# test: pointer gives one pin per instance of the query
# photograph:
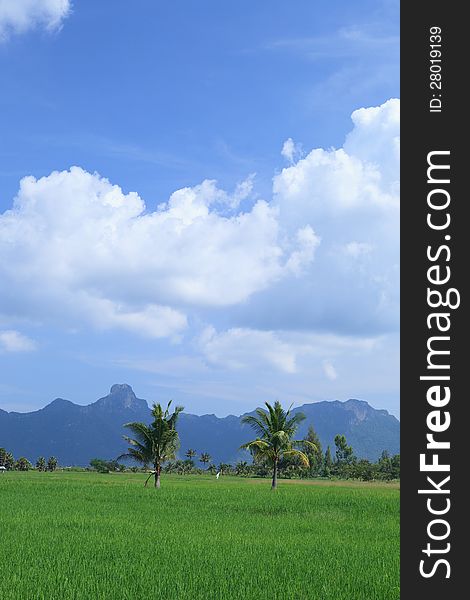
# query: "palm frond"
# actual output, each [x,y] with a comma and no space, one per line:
[256,424]
[255,445]
[140,431]
[280,438]
[305,445]
[295,421]
[298,454]
[140,457]
[135,445]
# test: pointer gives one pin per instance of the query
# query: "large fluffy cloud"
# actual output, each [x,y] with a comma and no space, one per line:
[76,249]
[19,16]
[350,196]
[74,246]
[360,179]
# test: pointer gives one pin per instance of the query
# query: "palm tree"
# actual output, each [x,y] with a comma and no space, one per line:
[9,461]
[41,464]
[224,468]
[190,453]
[155,443]
[52,463]
[205,458]
[3,456]
[241,468]
[23,464]
[275,428]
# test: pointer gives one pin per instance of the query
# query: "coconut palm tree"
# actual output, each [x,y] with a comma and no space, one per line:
[23,464]
[224,468]
[190,454]
[41,464]
[9,461]
[275,428]
[156,443]
[52,463]
[205,458]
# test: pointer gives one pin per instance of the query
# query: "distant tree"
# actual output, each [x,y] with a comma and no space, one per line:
[52,463]
[41,464]
[363,469]
[23,464]
[155,443]
[275,428]
[3,457]
[292,466]
[9,463]
[242,468]
[315,457]
[170,467]
[190,453]
[290,469]
[327,463]
[224,468]
[205,458]
[174,466]
[396,466]
[385,466]
[100,465]
[344,455]
[180,467]
[188,465]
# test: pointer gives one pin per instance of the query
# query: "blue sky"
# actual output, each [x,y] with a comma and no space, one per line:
[228,233]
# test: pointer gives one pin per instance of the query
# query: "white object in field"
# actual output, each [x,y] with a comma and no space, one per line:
[2,469]
[218,475]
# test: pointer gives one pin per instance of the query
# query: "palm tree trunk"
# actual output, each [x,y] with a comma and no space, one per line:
[157,476]
[274,483]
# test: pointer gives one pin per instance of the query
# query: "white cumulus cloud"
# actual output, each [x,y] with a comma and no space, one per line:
[76,246]
[291,151]
[350,197]
[14,341]
[361,177]
[19,16]
[321,256]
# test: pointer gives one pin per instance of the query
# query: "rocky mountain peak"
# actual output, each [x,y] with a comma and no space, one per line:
[120,396]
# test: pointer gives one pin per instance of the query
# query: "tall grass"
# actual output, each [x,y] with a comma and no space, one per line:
[89,536]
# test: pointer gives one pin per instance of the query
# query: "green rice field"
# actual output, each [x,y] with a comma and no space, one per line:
[90,536]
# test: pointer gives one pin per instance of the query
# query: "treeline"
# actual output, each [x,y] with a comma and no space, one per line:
[344,464]
[341,464]
[8,461]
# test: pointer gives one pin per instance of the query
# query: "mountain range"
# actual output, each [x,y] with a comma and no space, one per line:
[75,434]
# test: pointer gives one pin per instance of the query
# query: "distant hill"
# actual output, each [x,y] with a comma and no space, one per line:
[75,434]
